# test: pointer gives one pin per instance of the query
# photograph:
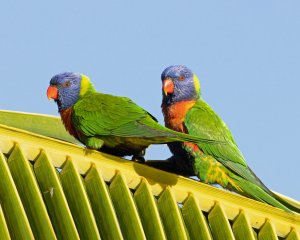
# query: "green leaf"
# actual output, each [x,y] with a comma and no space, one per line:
[102,206]
[30,195]
[171,217]
[125,208]
[4,233]
[27,196]
[219,224]
[147,207]
[242,229]
[267,232]
[54,198]
[78,202]
[292,235]
[11,205]
[195,220]
[45,125]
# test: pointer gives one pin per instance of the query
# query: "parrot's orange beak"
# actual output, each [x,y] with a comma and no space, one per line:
[52,92]
[168,86]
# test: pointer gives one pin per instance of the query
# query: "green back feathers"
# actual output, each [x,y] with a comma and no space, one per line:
[105,115]
[202,121]
[98,114]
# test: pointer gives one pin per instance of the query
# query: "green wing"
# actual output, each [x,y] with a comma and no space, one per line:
[107,115]
[202,121]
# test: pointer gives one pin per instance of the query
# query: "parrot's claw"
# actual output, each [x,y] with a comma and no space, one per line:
[138,158]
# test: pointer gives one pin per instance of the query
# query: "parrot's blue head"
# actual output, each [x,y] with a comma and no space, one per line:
[66,88]
[179,84]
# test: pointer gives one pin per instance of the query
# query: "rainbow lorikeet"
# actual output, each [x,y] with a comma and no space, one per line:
[115,124]
[185,111]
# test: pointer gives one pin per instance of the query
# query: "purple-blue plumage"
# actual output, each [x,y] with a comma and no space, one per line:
[183,90]
[68,84]
[175,71]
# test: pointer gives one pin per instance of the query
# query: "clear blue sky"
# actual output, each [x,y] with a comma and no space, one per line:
[245,53]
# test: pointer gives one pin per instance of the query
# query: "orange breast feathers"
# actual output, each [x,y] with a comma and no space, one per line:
[175,114]
[66,119]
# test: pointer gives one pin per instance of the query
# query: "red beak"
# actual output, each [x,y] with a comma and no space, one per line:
[168,86]
[52,92]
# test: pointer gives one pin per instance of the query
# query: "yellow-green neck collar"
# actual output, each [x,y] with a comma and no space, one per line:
[196,84]
[85,86]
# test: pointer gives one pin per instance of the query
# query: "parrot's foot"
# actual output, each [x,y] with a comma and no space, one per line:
[139,157]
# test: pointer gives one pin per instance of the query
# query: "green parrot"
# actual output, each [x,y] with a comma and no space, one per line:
[224,164]
[115,124]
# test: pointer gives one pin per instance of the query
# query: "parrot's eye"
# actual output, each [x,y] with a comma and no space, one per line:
[67,84]
[181,77]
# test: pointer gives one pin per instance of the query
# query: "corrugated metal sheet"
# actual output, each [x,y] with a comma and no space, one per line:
[52,189]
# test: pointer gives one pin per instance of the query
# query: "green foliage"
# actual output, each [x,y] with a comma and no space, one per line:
[51,189]
[45,125]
